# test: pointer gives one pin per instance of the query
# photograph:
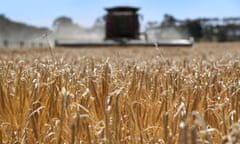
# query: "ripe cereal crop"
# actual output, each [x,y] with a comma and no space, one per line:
[121,95]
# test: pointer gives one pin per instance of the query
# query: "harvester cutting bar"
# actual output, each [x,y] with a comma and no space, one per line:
[109,43]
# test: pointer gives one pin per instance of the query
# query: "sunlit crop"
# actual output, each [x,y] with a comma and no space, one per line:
[121,95]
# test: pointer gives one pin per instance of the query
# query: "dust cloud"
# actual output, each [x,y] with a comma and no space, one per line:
[166,33]
[15,34]
[97,34]
[79,33]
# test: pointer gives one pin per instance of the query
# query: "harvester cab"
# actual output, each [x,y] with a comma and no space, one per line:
[122,23]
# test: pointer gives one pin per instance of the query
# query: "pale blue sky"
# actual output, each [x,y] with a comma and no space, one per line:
[84,12]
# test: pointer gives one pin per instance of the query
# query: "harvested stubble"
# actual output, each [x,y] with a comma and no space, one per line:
[121,95]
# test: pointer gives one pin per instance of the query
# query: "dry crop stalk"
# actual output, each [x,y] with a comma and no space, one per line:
[146,109]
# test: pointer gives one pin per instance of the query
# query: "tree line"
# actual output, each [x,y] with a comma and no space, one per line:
[204,29]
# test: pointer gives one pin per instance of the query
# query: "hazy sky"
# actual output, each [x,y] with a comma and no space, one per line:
[84,12]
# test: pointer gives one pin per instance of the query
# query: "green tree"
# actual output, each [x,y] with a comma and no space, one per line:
[168,21]
[194,28]
[62,21]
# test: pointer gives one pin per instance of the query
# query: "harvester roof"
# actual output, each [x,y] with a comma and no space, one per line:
[122,8]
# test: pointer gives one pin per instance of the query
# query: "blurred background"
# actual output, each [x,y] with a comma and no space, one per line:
[28,23]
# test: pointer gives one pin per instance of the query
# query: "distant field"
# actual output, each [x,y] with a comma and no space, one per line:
[121,95]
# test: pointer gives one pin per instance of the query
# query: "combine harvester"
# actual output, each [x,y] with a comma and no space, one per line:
[122,28]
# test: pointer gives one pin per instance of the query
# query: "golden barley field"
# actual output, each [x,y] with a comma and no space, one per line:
[151,95]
